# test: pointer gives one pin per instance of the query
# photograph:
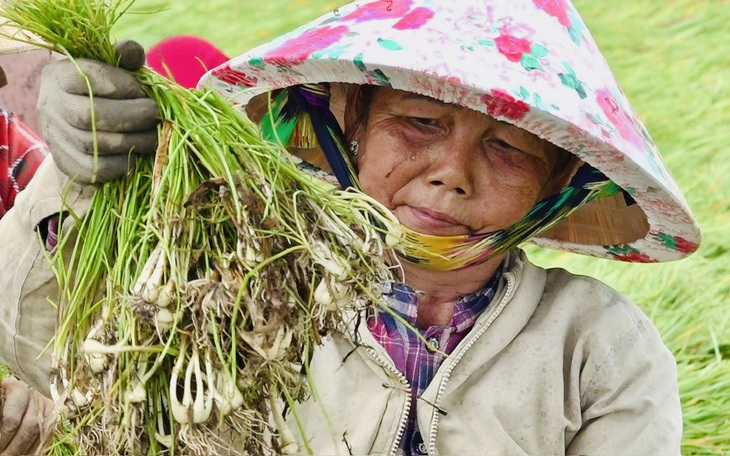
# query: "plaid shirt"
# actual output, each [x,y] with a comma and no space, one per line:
[414,358]
[21,152]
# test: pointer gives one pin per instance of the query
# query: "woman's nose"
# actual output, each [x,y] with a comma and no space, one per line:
[452,167]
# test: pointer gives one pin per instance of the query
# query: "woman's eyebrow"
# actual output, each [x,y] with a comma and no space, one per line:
[419,97]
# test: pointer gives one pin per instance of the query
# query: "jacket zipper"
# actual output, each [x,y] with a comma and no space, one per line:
[407,409]
[442,386]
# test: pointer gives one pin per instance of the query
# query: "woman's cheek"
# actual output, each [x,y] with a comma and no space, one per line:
[519,172]
[504,209]
[385,163]
[513,192]
[373,180]
[508,162]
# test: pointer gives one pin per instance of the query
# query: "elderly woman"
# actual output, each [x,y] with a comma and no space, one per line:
[480,124]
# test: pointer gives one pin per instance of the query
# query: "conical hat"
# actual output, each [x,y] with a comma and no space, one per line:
[532,63]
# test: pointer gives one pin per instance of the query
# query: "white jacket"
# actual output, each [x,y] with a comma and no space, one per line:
[558,364]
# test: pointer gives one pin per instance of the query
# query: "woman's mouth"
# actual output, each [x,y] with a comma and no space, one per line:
[429,221]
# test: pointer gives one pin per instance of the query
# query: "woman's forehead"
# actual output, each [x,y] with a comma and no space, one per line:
[402,95]
[387,101]
[398,96]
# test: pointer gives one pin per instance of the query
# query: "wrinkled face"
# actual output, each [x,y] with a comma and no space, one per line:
[448,170]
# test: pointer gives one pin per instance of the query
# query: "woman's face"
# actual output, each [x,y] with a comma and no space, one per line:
[448,170]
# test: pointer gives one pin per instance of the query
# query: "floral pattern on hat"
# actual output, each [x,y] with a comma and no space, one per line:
[500,104]
[529,62]
[562,11]
[295,51]
[520,50]
[233,77]
[414,19]
[619,118]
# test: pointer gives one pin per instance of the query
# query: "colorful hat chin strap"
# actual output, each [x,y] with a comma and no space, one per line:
[450,253]
[301,114]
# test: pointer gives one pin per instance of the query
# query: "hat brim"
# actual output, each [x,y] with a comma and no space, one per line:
[658,227]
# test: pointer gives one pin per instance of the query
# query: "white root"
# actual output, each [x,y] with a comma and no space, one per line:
[187,399]
[372,245]
[288,443]
[331,261]
[147,270]
[80,399]
[344,235]
[291,300]
[164,297]
[281,343]
[203,403]
[97,362]
[164,440]
[253,256]
[394,235]
[322,295]
[269,348]
[239,248]
[151,290]
[254,341]
[330,295]
[137,393]
[228,397]
[98,325]
[94,347]
[96,353]
[179,410]
[164,319]
[55,395]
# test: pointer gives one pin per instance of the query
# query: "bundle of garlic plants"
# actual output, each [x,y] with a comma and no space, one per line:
[194,291]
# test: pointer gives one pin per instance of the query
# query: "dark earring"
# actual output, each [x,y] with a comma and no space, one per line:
[354,147]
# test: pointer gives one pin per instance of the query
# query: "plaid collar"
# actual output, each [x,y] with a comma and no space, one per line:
[403,300]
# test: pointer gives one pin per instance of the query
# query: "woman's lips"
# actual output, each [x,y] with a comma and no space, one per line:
[433,220]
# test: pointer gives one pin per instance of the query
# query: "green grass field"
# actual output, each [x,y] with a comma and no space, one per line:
[671,60]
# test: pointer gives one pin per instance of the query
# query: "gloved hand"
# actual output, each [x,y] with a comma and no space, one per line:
[23,413]
[126,118]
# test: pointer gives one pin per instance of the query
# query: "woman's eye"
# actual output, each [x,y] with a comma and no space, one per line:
[506,150]
[424,121]
[502,145]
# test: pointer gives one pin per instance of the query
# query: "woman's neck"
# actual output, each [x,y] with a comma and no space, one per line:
[438,291]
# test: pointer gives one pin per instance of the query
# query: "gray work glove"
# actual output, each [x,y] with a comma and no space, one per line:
[126,119]
[24,417]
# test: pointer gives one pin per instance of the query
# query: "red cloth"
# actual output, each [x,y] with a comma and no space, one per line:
[184,58]
[21,152]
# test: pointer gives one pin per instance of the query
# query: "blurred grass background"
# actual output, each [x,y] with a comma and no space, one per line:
[672,62]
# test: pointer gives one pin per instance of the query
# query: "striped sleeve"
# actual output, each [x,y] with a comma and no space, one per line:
[21,152]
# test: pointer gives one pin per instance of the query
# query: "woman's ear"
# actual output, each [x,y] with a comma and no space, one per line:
[351,113]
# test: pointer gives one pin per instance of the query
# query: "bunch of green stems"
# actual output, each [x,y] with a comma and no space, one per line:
[194,291]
